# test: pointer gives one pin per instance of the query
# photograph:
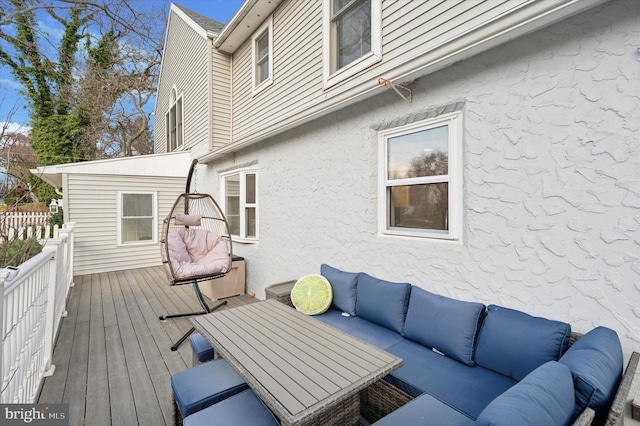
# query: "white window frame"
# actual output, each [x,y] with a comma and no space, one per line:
[267,27]
[154,239]
[454,178]
[175,102]
[242,173]
[332,75]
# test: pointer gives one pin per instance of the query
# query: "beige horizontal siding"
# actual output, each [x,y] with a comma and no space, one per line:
[221,97]
[410,29]
[297,68]
[185,65]
[92,205]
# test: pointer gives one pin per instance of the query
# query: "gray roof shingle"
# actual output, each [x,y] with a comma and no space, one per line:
[207,23]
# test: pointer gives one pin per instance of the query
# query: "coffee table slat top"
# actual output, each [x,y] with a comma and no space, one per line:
[296,363]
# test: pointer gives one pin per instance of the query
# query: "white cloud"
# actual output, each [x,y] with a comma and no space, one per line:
[14,127]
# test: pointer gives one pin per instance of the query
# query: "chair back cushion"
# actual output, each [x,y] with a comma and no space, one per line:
[514,343]
[382,302]
[447,325]
[344,286]
[544,397]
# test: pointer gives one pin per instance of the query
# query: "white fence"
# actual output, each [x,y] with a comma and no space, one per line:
[33,304]
[23,225]
[18,219]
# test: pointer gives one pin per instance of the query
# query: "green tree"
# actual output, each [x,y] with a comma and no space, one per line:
[77,85]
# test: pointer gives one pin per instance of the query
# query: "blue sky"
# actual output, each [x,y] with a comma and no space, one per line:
[220,10]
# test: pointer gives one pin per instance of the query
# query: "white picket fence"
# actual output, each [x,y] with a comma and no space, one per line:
[18,219]
[32,306]
[23,225]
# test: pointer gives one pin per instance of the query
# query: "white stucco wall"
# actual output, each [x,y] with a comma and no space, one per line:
[551,181]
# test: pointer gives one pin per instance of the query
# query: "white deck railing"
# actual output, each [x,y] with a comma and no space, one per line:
[33,304]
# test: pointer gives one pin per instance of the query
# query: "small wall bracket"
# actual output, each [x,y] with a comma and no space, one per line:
[397,87]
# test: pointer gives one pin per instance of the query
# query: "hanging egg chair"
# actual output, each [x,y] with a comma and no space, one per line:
[195,246]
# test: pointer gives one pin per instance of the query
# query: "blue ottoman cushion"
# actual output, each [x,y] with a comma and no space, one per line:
[242,409]
[382,302]
[343,285]
[201,348]
[596,363]
[514,343]
[447,325]
[544,397]
[199,387]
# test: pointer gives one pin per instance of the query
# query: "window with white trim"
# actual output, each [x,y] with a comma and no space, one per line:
[137,217]
[421,179]
[173,119]
[263,56]
[352,37]
[240,203]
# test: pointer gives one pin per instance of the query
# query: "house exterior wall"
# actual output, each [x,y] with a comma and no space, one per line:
[414,35]
[221,98]
[551,171]
[92,202]
[184,45]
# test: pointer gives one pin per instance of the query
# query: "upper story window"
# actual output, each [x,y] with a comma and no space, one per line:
[173,119]
[137,217]
[421,179]
[352,37]
[240,203]
[263,56]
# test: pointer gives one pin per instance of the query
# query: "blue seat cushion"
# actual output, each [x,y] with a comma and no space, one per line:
[514,343]
[423,410]
[382,302]
[469,389]
[447,325]
[204,385]
[544,397]
[344,286]
[242,409]
[361,328]
[596,363]
[200,347]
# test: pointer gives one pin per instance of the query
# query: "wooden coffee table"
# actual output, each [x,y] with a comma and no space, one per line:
[306,371]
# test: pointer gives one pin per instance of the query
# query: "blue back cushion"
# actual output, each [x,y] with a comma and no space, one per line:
[343,285]
[382,302]
[596,363]
[544,397]
[514,343]
[447,325]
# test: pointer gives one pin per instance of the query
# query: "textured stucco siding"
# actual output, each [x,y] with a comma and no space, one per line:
[551,181]
[184,50]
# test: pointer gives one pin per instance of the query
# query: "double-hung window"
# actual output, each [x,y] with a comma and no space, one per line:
[263,56]
[240,201]
[421,179]
[137,217]
[352,37]
[173,119]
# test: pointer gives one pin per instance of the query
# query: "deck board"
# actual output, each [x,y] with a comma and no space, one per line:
[113,358]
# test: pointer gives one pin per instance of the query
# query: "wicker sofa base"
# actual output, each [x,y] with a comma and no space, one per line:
[380,399]
[346,412]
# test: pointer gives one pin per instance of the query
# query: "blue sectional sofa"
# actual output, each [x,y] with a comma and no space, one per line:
[467,363]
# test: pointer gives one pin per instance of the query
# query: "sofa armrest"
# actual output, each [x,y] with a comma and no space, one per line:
[585,418]
[616,413]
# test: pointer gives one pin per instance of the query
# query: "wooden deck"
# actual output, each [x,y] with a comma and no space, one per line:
[113,358]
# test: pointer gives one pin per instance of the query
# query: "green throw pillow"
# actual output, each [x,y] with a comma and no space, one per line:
[312,294]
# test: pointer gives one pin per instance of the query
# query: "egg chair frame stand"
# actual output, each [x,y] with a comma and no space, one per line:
[195,280]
